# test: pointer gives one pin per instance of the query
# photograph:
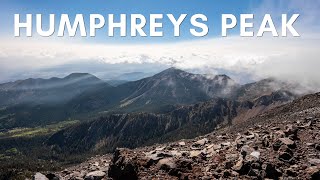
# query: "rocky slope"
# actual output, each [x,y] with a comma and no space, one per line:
[282,143]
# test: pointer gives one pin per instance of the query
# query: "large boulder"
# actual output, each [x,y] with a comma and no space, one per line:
[123,165]
[39,176]
[95,175]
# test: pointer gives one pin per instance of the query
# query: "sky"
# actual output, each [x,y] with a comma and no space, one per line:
[212,9]
[244,59]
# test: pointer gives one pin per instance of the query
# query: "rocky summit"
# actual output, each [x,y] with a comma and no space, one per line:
[283,143]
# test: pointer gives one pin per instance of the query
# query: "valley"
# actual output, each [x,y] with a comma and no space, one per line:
[36,131]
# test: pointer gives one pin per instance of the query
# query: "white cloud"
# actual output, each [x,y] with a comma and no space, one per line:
[286,58]
[220,52]
[258,56]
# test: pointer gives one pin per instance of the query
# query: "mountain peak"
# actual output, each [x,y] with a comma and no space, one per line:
[79,75]
[223,76]
[171,71]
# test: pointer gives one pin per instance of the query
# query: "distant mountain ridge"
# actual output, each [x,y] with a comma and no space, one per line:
[53,90]
[54,82]
[39,101]
[131,76]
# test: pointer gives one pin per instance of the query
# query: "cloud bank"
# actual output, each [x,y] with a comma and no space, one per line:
[286,58]
[245,59]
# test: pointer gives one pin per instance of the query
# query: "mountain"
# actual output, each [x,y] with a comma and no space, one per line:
[171,87]
[158,93]
[76,79]
[263,87]
[53,90]
[262,104]
[34,102]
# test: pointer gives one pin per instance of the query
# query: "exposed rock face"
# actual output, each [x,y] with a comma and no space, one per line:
[280,144]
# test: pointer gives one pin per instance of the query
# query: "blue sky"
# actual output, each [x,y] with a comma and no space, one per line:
[211,8]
